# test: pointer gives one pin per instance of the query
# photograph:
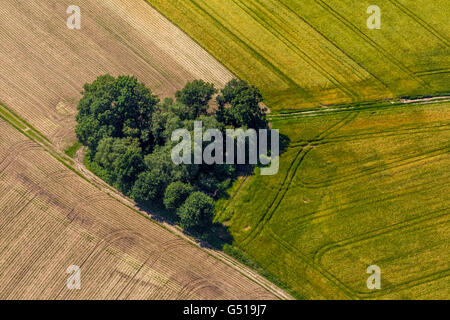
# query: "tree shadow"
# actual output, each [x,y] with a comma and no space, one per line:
[284,143]
[158,212]
[218,235]
[215,238]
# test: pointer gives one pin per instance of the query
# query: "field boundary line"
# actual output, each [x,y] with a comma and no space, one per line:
[299,52]
[432,72]
[421,22]
[371,42]
[369,105]
[245,271]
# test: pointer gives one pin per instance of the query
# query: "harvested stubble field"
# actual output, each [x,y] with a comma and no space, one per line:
[357,186]
[43,64]
[360,187]
[312,52]
[51,218]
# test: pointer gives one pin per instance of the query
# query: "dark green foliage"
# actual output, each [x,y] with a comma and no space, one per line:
[161,162]
[122,159]
[149,186]
[88,131]
[196,95]
[109,149]
[208,182]
[176,193]
[197,212]
[128,132]
[239,106]
[115,107]
[127,167]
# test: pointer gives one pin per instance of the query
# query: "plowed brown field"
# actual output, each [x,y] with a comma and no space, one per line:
[43,64]
[51,215]
[51,218]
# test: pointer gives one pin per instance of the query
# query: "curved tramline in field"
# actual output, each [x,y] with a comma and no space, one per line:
[363,113]
[51,219]
[370,187]
[43,64]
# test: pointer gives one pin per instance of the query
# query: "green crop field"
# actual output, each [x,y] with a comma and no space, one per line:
[362,184]
[360,187]
[307,53]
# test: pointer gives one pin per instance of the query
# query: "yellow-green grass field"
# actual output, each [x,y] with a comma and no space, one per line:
[356,187]
[307,53]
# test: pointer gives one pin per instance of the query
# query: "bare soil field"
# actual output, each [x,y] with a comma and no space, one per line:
[51,218]
[43,64]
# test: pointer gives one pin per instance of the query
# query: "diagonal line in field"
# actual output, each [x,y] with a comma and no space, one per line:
[284,187]
[371,42]
[421,22]
[299,52]
[333,44]
[252,51]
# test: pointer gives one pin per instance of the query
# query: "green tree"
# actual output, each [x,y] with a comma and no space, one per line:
[127,167]
[197,212]
[231,90]
[128,132]
[196,95]
[159,123]
[176,194]
[239,106]
[167,117]
[115,107]
[161,162]
[109,149]
[148,186]
[182,111]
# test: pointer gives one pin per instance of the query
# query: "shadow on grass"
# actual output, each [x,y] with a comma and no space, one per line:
[215,238]
[284,143]
[158,212]
[218,236]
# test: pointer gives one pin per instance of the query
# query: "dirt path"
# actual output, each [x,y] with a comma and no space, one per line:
[332,108]
[78,167]
[263,282]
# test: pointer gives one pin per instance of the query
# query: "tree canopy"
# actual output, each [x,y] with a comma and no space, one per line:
[176,194]
[197,211]
[115,107]
[196,95]
[239,106]
[127,130]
